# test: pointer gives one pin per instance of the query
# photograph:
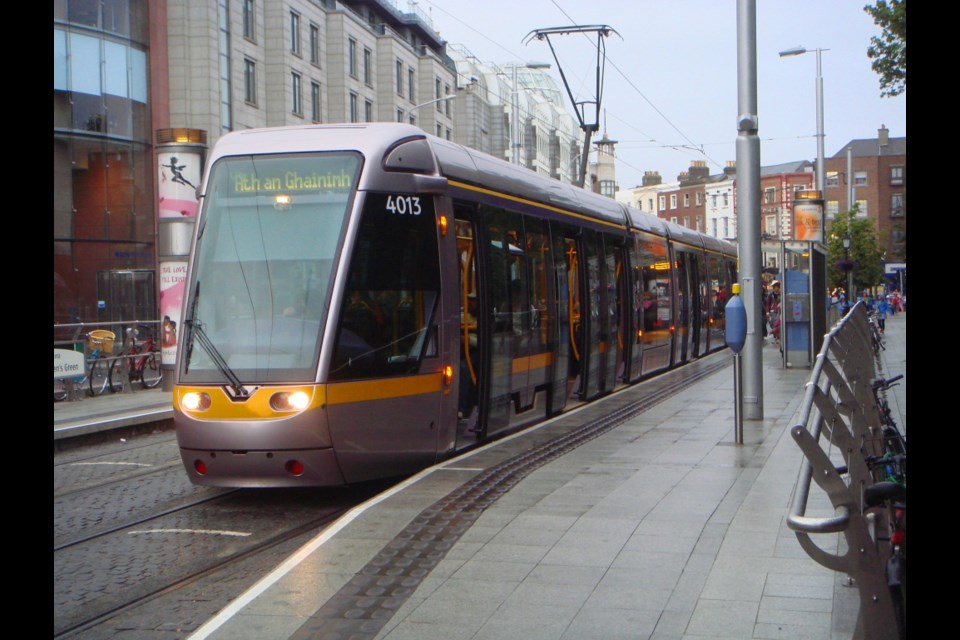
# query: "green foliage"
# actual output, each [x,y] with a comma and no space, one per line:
[865,252]
[889,50]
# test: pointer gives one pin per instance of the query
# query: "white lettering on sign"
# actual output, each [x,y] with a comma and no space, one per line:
[67,363]
[404,205]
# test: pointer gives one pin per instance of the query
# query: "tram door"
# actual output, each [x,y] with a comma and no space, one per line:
[571,351]
[508,328]
[471,360]
[686,291]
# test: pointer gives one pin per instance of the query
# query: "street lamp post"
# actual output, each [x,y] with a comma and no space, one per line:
[796,51]
[849,267]
[515,111]
[429,102]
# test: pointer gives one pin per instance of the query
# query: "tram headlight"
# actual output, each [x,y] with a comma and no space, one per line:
[196,401]
[289,401]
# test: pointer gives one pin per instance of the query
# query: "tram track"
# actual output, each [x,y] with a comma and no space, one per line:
[96,615]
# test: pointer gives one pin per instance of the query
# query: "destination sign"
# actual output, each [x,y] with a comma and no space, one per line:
[272,175]
[291,181]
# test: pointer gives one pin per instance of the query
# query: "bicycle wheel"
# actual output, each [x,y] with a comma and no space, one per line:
[117,371]
[151,372]
[59,389]
[99,377]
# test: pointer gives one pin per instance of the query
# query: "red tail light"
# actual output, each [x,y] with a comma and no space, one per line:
[294,467]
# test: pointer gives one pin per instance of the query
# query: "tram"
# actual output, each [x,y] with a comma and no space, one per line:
[365,300]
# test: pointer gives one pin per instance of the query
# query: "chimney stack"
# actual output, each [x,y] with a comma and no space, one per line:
[651,178]
[730,171]
[883,135]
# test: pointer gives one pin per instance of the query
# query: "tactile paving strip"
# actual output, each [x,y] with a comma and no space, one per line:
[364,605]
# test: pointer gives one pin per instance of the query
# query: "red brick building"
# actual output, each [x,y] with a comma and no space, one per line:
[875,171]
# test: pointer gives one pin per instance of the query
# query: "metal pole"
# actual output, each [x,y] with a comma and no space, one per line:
[515,126]
[738,398]
[820,156]
[748,204]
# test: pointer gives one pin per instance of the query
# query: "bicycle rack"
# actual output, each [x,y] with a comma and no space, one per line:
[838,408]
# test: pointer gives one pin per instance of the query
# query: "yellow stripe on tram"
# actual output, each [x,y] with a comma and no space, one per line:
[382,388]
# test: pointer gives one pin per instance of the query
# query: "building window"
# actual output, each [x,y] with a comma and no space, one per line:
[663,202]
[726,227]
[437,96]
[608,188]
[769,195]
[354,107]
[296,93]
[686,199]
[726,199]
[770,226]
[686,221]
[896,176]
[698,223]
[446,103]
[352,57]
[699,198]
[449,134]
[367,111]
[673,219]
[859,178]
[295,33]
[399,115]
[411,80]
[368,67]
[226,68]
[315,102]
[439,131]
[315,44]
[250,81]
[833,179]
[713,200]
[673,201]
[650,204]
[413,120]
[861,208]
[400,78]
[896,205]
[249,21]
[833,208]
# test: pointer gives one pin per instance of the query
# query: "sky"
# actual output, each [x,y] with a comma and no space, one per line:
[670,89]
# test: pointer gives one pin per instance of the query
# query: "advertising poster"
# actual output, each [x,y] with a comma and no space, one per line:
[173,277]
[178,180]
[808,221]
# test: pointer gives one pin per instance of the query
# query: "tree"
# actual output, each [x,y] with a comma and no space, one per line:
[889,51]
[865,259]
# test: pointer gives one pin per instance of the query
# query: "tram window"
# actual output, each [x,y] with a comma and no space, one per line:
[387,315]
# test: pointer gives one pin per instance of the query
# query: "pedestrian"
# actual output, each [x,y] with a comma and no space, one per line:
[773,310]
[883,308]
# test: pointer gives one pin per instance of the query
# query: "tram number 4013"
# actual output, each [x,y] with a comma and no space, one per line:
[404,205]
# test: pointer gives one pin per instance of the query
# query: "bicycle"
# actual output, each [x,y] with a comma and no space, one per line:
[145,366]
[98,374]
[892,495]
[876,335]
[893,440]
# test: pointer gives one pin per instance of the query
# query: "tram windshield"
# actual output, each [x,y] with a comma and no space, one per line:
[263,265]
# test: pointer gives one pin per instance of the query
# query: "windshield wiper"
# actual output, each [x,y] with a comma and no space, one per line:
[196,331]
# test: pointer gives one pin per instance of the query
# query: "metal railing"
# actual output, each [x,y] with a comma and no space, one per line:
[72,336]
[839,412]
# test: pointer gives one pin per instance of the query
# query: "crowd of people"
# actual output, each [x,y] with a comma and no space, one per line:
[882,304]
